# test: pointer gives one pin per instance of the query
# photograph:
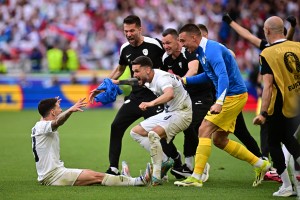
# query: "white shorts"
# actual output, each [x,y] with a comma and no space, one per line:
[173,122]
[62,177]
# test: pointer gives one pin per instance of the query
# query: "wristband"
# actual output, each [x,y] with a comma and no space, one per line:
[264,114]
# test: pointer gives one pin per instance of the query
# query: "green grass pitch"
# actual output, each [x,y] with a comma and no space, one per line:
[84,144]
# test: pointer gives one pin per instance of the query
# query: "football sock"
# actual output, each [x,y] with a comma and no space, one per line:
[156,153]
[202,153]
[111,180]
[239,151]
[287,155]
[114,169]
[286,182]
[144,142]
[177,161]
[189,162]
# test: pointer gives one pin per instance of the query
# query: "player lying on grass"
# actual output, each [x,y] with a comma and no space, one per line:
[46,150]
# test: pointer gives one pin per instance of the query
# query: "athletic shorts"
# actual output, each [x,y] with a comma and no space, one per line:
[232,106]
[62,177]
[173,122]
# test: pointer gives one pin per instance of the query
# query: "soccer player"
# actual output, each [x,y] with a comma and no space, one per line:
[175,118]
[241,131]
[178,61]
[46,150]
[231,95]
[137,45]
[280,98]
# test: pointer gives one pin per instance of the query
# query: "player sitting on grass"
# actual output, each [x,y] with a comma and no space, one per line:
[46,150]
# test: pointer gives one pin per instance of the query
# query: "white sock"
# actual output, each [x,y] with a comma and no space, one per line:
[114,169]
[156,153]
[287,155]
[259,163]
[286,182]
[111,180]
[189,161]
[143,141]
[197,176]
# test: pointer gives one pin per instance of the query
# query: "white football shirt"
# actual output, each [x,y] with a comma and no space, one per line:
[163,80]
[45,146]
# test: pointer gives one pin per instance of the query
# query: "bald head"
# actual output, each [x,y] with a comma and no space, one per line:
[275,24]
[274,29]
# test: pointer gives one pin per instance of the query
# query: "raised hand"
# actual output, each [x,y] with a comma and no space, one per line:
[226,18]
[292,20]
[78,105]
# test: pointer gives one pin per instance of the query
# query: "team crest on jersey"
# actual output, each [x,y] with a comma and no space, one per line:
[145,52]
[292,62]
[180,64]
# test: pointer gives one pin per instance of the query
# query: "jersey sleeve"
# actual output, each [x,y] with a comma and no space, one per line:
[165,82]
[197,79]
[43,128]
[263,44]
[215,58]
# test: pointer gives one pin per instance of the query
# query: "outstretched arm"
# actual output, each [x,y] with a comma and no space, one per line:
[117,72]
[63,117]
[242,31]
[291,31]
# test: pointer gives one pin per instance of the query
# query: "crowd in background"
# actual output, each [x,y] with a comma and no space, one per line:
[67,35]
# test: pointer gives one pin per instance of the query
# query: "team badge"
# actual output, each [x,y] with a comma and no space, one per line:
[145,52]
[292,62]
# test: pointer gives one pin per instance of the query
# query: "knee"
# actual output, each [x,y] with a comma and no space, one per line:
[219,142]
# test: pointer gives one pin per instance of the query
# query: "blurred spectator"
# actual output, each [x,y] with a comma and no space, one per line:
[36,60]
[73,79]
[55,59]
[3,68]
[93,34]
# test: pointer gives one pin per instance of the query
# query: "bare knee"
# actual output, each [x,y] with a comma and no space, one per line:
[220,141]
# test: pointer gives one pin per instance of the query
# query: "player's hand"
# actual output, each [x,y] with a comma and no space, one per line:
[215,109]
[78,105]
[115,81]
[93,93]
[144,105]
[259,120]
[292,20]
[226,18]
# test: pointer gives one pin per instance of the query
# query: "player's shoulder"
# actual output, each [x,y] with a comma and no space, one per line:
[153,41]
[166,58]
[124,46]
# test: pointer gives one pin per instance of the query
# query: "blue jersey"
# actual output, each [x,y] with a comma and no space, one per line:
[219,66]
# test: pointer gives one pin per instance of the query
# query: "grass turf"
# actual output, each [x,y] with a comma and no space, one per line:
[84,144]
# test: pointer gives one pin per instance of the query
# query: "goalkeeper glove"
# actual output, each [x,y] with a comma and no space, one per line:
[226,18]
[292,20]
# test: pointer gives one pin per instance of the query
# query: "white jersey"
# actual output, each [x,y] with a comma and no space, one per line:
[163,80]
[45,146]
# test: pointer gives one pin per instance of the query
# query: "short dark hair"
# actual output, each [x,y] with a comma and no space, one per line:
[170,31]
[144,61]
[46,105]
[133,19]
[202,27]
[190,28]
